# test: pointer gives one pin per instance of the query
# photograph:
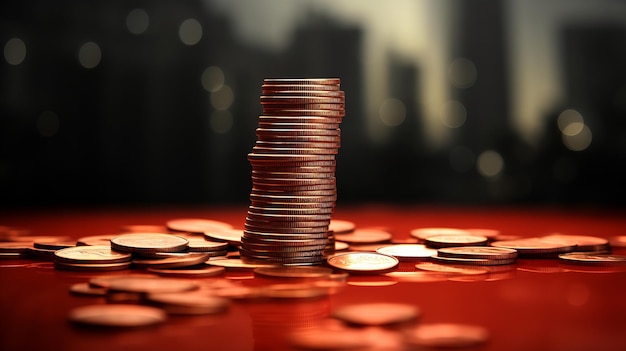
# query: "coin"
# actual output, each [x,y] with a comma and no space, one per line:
[363,262]
[407,251]
[54,245]
[91,254]
[593,258]
[139,284]
[485,252]
[236,263]
[92,267]
[117,315]
[201,244]
[189,303]
[330,339]
[14,247]
[423,233]
[377,314]
[96,240]
[536,246]
[341,226]
[583,242]
[149,242]
[182,260]
[231,236]
[189,272]
[447,335]
[294,291]
[196,225]
[87,289]
[453,269]
[302,81]
[293,272]
[439,241]
[473,261]
[364,236]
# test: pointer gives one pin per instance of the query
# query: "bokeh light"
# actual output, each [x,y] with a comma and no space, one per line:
[212,79]
[392,112]
[89,55]
[462,73]
[190,31]
[490,164]
[453,114]
[223,98]
[221,122]
[578,141]
[137,21]
[15,51]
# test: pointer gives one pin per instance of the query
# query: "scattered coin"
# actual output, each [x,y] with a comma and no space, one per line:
[96,240]
[189,303]
[473,261]
[117,315]
[341,226]
[87,289]
[439,241]
[365,236]
[200,271]
[450,269]
[297,272]
[231,235]
[593,258]
[148,242]
[185,259]
[363,262]
[484,252]
[377,314]
[94,267]
[536,246]
[584,243]
[423,233]
[196,225]
[237,263]
[407,251]
[447,335]
[146,284]
[91,254]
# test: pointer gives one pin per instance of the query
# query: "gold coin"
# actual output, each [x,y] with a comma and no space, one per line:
[149,242]
[91,254]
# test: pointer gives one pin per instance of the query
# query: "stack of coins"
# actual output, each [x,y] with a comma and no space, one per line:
[293,171]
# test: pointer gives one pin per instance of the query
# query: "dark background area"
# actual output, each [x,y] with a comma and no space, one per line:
[124,102]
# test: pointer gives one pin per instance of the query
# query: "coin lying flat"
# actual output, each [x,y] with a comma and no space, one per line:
[473,261]
[447,335]
[439,241]
[536,246]
[298,272]
[377,314]
[189,303]
[149,242]
[96,240]
[196,225]
[91,254]
[185,259]
[116,315]
[341,226]
[365,236]
[363,262]
[147,284]
[584,243]
[87,289]
[593,258]
[189,272]
[423,233]
[94,267]
[407,251]
[450,269]
[484,252]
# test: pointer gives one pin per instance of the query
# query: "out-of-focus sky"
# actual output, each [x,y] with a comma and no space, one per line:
[421,30]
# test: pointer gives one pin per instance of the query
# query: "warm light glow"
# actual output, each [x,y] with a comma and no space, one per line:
[222,99]
[190,31]
[221,122]
[137,21]
[48,124]
[15,51]
[580,141]
[490,163]
[392,112]
[453,114]
[89,55]
[461,159]
[212,79]
[462,73]
[570,122]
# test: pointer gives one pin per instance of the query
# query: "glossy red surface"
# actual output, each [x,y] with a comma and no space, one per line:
[535,305]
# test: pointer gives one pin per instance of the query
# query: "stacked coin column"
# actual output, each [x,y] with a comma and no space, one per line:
[293,171]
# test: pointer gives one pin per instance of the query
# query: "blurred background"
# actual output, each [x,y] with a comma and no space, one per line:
[476,102]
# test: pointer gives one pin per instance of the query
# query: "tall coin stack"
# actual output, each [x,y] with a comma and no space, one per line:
[293,172]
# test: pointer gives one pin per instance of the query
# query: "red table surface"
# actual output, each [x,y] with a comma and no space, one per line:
[537,305]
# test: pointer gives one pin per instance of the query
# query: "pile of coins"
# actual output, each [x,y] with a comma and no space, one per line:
[293,172]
